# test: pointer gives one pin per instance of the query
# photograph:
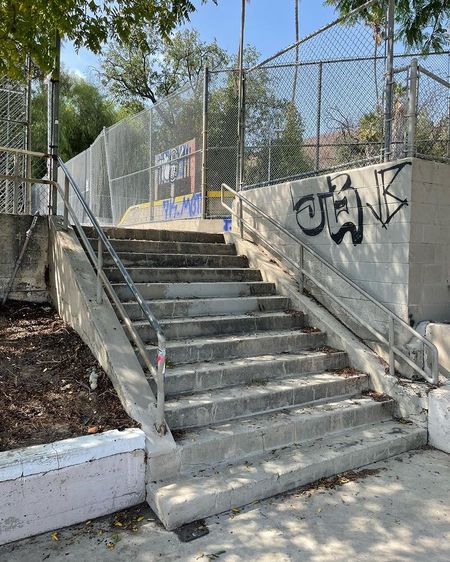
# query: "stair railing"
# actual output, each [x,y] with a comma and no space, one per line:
[430,374]
[104,244]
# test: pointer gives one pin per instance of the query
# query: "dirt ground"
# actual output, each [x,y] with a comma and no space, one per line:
[45,392]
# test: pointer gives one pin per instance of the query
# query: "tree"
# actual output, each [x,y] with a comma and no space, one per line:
[421,24]
[151,68]
[29,27]
[84,112]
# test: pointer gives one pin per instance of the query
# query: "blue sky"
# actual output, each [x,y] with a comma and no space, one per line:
[270,27]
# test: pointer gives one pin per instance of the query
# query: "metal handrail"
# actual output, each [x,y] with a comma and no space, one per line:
[102,279]
[431,375]
[104,243]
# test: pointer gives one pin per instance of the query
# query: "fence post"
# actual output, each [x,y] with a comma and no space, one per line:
[205,142]
[16,184]
[319,115]
[412,108]
[151,188]
[108,167]
[389,83]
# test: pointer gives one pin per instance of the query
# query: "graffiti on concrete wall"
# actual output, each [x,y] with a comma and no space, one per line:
[341,209]
[184,207]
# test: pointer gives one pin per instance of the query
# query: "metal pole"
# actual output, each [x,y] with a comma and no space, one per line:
[269,164]
[205,143]
[412,109]
[99,269]
[391,346]
[16,185]
[28,186]
[66,201]
[319,115]
[240,151]
[108,165]
[151,188]
[53,124]
[389,82]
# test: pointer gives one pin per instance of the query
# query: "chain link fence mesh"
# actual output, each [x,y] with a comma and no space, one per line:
[317,106]
[13,134]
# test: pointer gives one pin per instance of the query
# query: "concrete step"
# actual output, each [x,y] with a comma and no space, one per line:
[184,274]
[209,307]
[215,348]
[157,235]
[207,376]
[155,291]
[178,328]
[214,491]
[256,435]
[177,260]
[219,405]
[157,247]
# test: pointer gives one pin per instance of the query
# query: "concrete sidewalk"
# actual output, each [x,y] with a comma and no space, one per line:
[398,512]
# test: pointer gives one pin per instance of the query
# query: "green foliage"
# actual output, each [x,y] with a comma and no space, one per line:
[30,26]
[84,111]
[364,139]
[421,24]
[151,68]
[288,153]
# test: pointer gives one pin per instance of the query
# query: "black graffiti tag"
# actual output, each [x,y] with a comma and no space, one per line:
[386,198]
[331,208]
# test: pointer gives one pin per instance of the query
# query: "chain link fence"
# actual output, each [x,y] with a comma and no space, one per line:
[14,196]
[318,105]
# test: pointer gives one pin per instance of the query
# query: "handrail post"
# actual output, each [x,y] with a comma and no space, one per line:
[391,346]
[412,108]
[160,394]
[301,262]
[66,200]
[99,269]
[241,222]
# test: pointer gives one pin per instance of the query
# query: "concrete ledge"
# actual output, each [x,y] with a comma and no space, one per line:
[46,487]
[439,418]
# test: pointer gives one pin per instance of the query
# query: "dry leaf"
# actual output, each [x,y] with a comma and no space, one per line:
[54,536]
[92,429]
[140,518]
[118,524]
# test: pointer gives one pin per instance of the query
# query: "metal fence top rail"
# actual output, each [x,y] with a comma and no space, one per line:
[337,21]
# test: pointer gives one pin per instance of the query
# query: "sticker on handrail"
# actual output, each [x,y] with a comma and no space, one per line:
[161,357]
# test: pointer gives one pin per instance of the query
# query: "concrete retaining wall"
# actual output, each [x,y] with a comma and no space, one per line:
[385,226]
[47,487]
[30,282]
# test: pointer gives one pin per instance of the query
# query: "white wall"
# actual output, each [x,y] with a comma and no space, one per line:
[384,226]
[429,272]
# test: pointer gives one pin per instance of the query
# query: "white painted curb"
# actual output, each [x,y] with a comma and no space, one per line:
[45,487]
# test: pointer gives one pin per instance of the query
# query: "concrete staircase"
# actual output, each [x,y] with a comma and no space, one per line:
[256,401]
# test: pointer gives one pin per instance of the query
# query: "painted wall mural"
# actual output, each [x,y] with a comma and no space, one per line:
[184,207]
[341,209]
